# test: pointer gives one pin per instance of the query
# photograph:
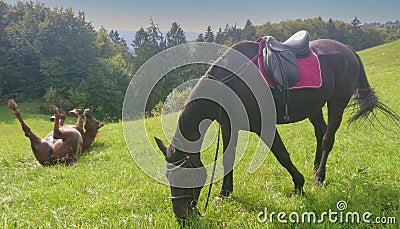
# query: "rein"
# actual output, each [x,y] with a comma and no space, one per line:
[225,80]
[214,167]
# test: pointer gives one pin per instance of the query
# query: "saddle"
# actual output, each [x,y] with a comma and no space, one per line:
[280,61]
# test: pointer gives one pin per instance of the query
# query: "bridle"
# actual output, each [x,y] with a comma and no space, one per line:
[186,159]
[179,164]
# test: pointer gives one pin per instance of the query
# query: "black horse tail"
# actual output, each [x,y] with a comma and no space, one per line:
[365,101]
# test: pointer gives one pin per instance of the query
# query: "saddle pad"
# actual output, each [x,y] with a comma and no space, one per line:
[310,73]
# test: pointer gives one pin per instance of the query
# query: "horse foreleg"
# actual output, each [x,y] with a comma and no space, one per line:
[335,114]
[59,118]
[281,153]
[319,124]
[229,139]
[79,120]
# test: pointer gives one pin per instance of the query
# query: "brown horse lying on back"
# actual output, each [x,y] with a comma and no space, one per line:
[64,144]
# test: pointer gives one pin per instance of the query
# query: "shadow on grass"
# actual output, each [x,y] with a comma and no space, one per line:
[361,197]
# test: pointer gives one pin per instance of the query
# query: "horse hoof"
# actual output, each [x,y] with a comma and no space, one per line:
[298,192]
[220,197]
[53,109]
[75,111]
[87,113]
[11,104]
[317,182]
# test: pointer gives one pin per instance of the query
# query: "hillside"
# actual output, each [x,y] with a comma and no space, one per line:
[106,188]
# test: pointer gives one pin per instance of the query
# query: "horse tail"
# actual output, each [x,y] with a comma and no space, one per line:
[365,101]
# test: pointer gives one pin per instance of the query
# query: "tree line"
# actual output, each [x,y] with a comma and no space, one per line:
[57,57]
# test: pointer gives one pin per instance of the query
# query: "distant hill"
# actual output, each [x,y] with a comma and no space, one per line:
[129,35]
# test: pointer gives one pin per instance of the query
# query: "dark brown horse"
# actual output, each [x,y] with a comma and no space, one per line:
[64,144]
[343,77]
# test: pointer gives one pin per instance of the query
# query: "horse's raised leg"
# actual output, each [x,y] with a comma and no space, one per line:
[319,124]
[67,151]
[281,153]
[229,141]
[41,149]
[79,120]
[335,114]
[59,118]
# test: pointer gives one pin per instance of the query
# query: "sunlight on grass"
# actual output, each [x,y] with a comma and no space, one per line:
[107,189]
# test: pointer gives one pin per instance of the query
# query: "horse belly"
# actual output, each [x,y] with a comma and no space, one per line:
[71,146]
[303,103]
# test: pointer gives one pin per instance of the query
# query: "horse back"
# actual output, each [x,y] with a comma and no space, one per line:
[339,65]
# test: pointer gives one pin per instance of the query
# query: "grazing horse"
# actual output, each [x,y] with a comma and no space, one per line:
[64,144]
[343,77]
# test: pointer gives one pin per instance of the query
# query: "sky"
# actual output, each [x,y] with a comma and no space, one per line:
[196,15]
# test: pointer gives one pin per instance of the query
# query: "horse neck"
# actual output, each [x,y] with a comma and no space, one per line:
[228,62]
[189,129]
[196,111]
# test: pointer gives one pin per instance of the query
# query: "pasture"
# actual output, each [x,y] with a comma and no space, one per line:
[105,188]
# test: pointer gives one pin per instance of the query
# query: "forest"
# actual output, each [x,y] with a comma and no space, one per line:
[55,56]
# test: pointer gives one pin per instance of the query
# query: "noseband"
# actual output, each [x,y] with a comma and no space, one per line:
[186,159]
[179,165]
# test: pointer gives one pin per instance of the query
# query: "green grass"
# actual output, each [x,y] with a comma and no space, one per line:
[106,189]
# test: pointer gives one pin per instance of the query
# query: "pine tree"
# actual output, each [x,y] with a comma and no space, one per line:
[356,23]
[175,36]
[147,43]
[209,35]
[220,37]
[200,38]
[115,37]
[331,28]
[249,31]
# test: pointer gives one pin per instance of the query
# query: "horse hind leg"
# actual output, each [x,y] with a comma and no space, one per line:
[59,118]
[317,120]
[28,133]
[40,147]
[335,115]
[280,152]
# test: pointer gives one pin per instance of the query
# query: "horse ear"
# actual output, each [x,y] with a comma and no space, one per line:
[161,146]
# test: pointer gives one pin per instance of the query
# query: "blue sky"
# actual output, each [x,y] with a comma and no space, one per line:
[197,15]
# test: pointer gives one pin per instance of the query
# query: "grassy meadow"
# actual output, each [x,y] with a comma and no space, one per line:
[106,189]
